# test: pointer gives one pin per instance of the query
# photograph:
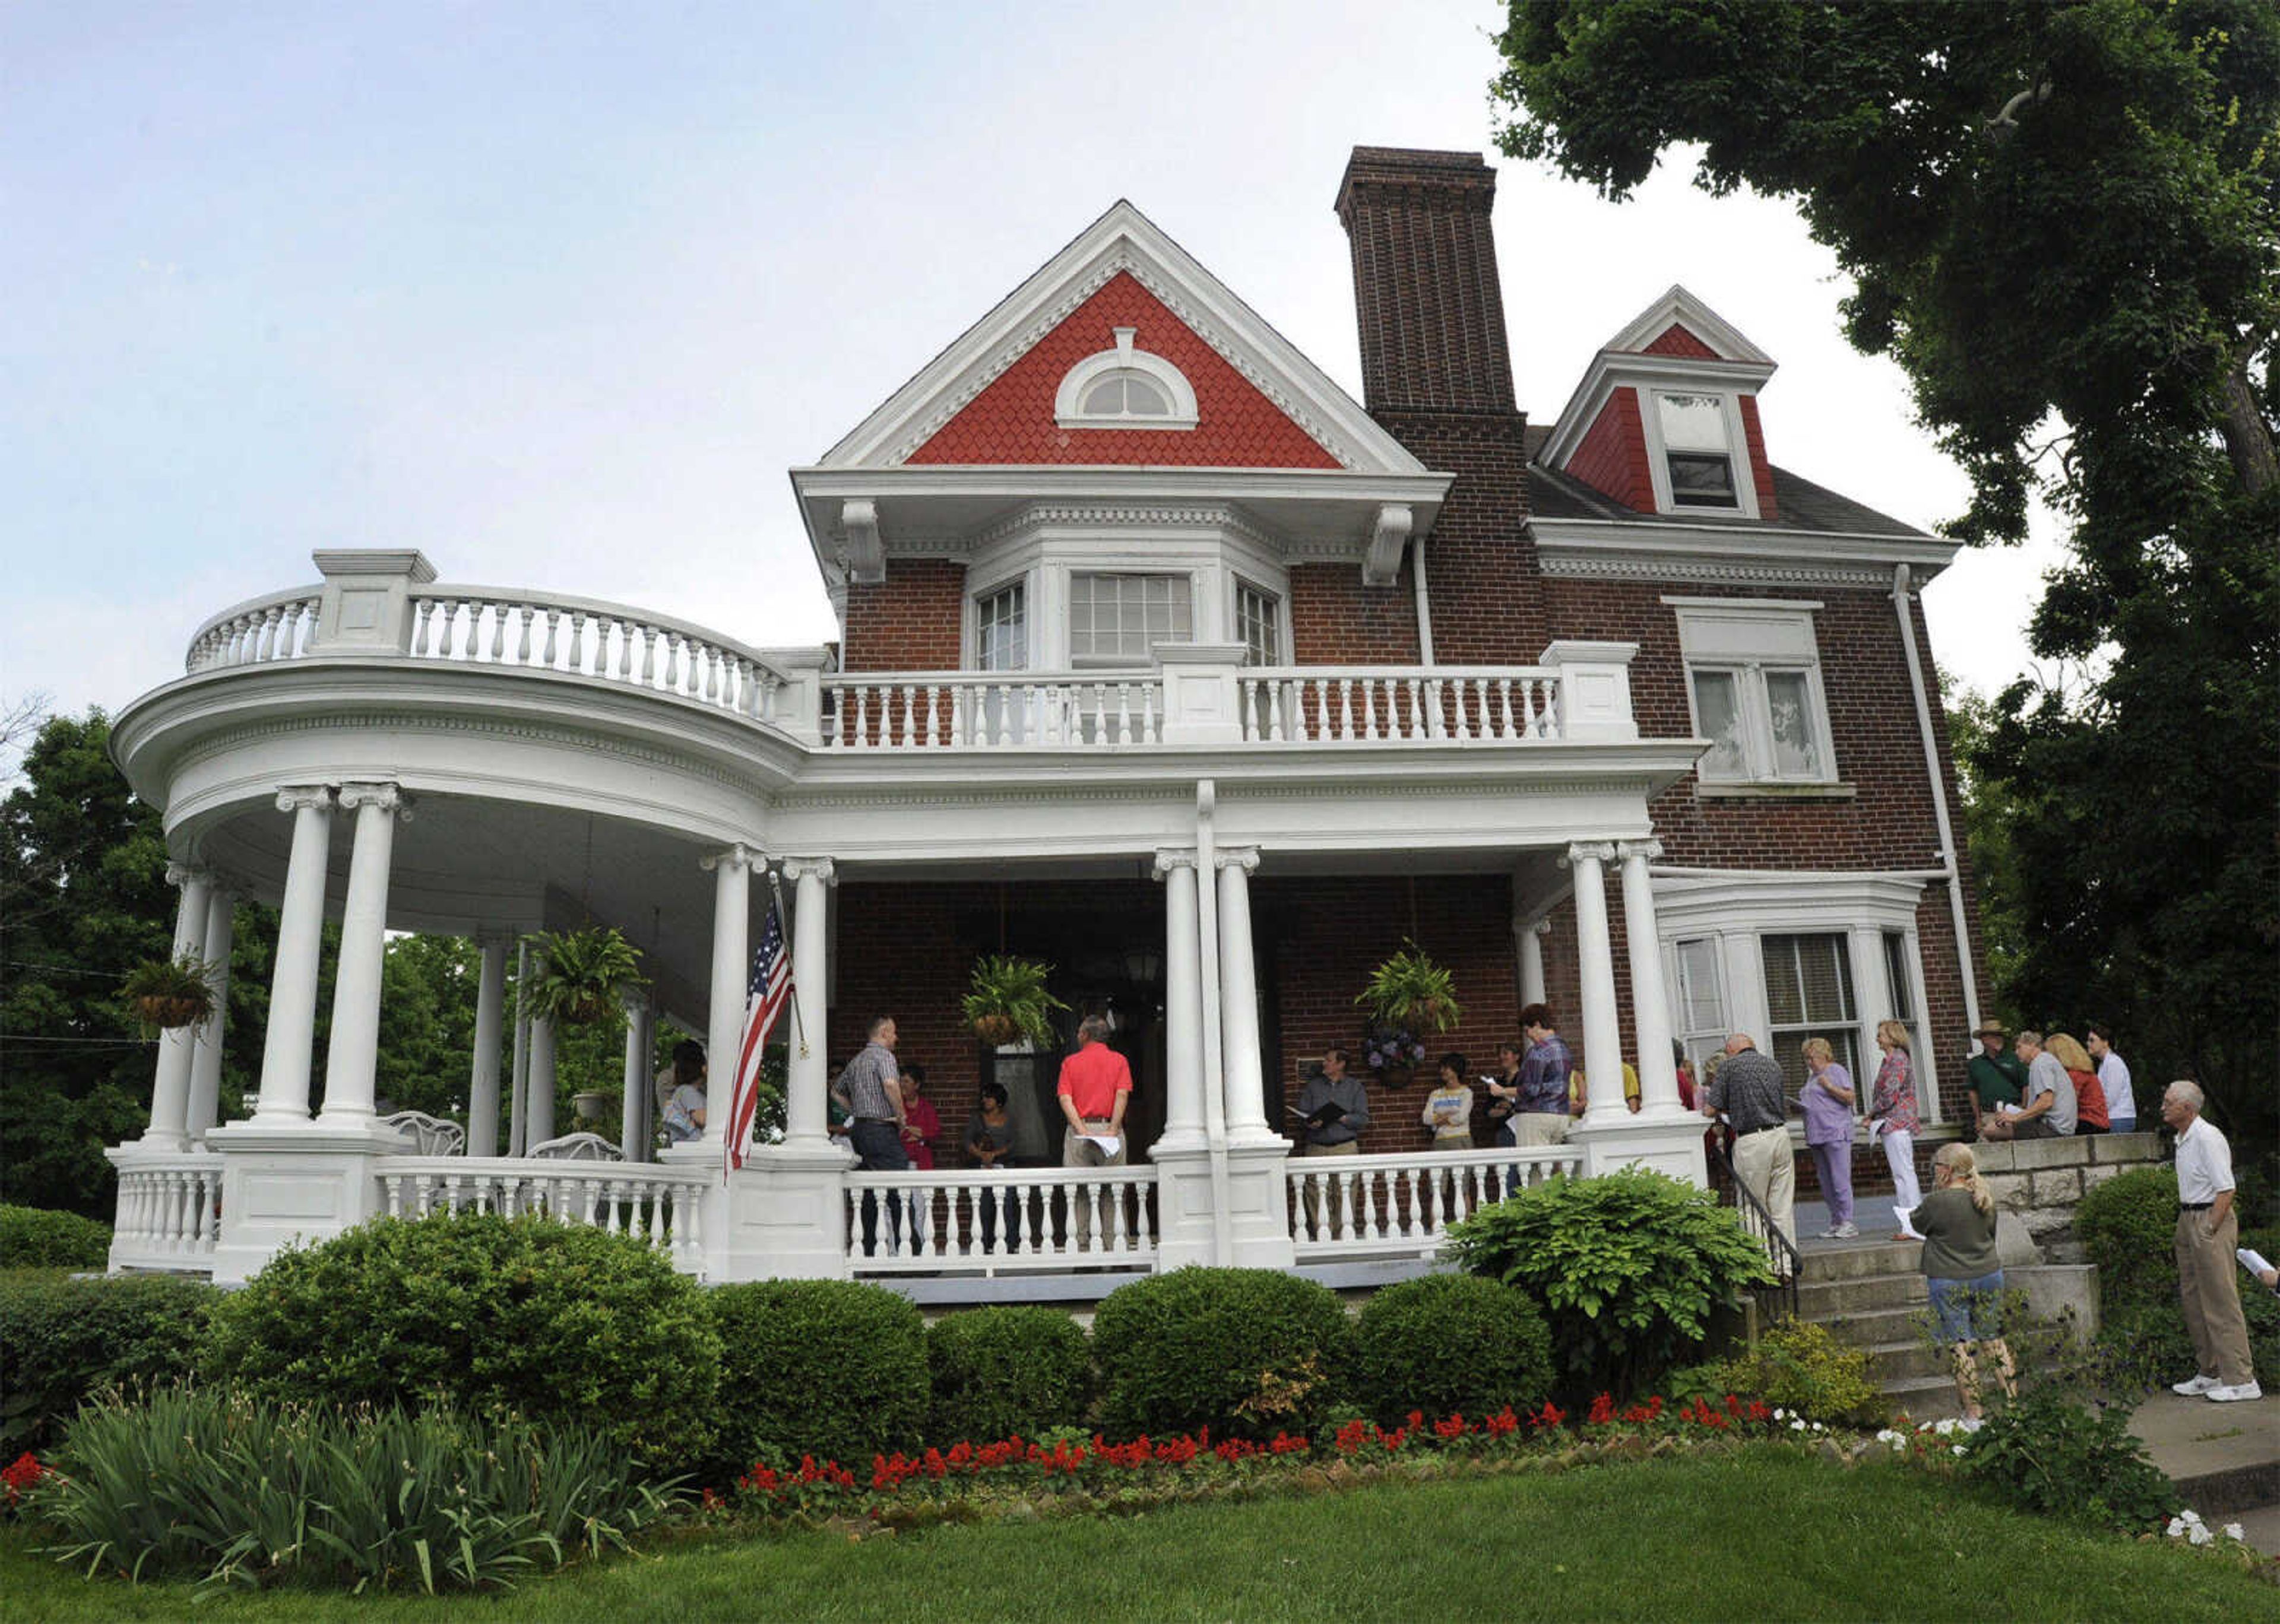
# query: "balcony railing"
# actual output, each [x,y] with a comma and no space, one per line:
[169,1213]
[1492,704]
[654,1203]
[1357,1207]
[1006,1220]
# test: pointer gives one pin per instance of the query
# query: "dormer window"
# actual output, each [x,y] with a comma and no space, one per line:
[1125,387]
[1698,450]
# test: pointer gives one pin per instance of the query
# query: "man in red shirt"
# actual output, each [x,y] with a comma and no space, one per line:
[1094,1085]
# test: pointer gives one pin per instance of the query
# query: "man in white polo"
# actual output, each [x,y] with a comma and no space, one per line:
[2207,1230]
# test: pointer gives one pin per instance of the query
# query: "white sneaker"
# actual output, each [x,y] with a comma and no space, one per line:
[2195,1387]
[2234,1395]
[1846,1232]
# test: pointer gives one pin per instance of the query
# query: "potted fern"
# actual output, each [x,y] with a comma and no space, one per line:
[1406,995]
[576,975]
[1006,1001]
[170,992]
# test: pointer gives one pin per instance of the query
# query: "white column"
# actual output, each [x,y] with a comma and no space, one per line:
[1595,961]
[633,1112]
[170,1086]
[1184,1015]
[1528,937]
[732,971]
[804,1113]
[288,1047]
[1238,994]
[1650,1000]
[483,1066]
[517,1077]
[538,1109]
[351,1061]
[205,1061]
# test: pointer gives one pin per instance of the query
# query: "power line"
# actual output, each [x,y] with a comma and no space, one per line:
[66,969]
[84,1042]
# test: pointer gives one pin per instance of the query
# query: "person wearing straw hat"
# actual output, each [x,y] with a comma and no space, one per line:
[1995,1076]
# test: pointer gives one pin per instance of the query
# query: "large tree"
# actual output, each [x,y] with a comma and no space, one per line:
[2059,220]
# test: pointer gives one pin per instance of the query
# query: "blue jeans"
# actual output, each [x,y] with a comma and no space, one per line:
[1967,1310]
[880,1147]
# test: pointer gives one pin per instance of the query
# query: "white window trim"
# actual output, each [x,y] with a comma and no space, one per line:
[1790,643]
[1238,578]
[1658,455]
[1068,399]
[1196,586]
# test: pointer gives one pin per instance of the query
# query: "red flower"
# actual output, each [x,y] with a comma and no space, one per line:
[1417,1421]
[1551,1415]
[1603,1410]
[21,1476]
[1286,1444]
[1451,1426]
[1502,1424]
[1352,1435]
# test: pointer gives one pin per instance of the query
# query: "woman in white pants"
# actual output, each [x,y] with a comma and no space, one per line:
[1893,1114]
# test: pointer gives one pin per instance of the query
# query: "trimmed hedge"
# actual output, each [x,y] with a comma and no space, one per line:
[40,1238]
[1247,1352]
[2129,1226]
[64,1341]
[1451,1344]
[831,1368]
[556,1322]
[1002,1373]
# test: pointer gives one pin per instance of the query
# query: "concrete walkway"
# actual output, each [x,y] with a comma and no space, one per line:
[2225,1459]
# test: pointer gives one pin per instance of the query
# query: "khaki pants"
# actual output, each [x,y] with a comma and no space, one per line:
[2211,1297]
[1345,1194]
[1530,1128]
[1078,1151]
[1766,1166]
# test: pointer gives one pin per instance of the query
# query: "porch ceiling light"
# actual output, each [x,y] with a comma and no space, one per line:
[1143,966]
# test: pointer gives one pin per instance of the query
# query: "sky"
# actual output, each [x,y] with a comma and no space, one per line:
[557,293]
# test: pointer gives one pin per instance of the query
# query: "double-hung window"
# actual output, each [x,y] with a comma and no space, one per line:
[1753,680]
[1001,629]
[1809,994]
[1117,619]
[1257,623]
[1698,450]
[1702,1025]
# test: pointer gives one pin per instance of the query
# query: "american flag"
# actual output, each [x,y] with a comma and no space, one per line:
[764,1000]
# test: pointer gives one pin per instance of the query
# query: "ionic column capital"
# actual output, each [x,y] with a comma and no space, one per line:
[1169,858]
[295,797]
[1592,850]
[733,856]
[181,876]
[1647,850]
[1244,857]
[493,936]
[1540,926]
[818,867]
[388,796]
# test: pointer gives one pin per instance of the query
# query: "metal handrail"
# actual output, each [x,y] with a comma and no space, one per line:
[1777,1300]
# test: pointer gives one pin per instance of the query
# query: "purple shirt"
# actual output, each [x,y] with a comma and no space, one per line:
[1542,1080]
[1827,1119]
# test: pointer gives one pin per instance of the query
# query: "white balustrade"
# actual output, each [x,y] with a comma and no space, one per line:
[1489,704]
[1401,1206]
[654,1203]
[986,710]
[275,627]
[169,1212]
[1009,1220]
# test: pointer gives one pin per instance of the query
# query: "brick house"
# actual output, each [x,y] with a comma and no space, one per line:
[1165,660]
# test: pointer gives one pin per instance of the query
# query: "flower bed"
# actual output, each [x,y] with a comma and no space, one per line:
[1080,1470]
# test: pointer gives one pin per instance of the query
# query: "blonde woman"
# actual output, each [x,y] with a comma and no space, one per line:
[1964,1278]
[1828,1104]
[1892,1116]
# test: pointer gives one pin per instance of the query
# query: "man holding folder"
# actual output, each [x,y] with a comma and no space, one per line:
[1095,1085]
[1332,1110]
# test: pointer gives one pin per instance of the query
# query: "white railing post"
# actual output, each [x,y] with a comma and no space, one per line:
[1595,690]
[366,607]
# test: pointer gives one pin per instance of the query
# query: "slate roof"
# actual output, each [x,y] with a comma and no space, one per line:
[1804,506]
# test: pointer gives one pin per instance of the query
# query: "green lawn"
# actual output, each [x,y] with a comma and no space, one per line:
[1764,1534]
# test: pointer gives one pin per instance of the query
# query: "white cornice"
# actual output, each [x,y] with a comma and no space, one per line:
[1610,549]
[1677,305]
[1122,239]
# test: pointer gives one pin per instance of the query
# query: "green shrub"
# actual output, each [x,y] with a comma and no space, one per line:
[2129,1227]
[62,1341]
[2046,1453]
[40,1238]
[241,1491]
[1630,1268]
[825,1368]
[561,1323]
[999,1373]
[2146,1345]
[1451,1344]
[1246,1352]
[1798,1365]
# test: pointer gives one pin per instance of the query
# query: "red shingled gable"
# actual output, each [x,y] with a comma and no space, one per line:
[1677,340]
[1012,421]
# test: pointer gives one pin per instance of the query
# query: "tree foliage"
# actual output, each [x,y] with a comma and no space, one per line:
[2059,220]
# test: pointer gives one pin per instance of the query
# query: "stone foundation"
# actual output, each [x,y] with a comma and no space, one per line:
[2038,1182]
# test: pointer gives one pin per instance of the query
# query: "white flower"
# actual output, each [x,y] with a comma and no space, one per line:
[1796,1426]
[1955,1448]
[1817,1426]
[1780,1415]
[2232,1530]
[2176,1526]
[2200,1536]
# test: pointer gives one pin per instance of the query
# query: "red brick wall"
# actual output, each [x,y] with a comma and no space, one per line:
[1011,420]
[1678,339]
[1484,592]
[910,620]
[1612,455]
[1335,620]
[1761,471]
[1427,297]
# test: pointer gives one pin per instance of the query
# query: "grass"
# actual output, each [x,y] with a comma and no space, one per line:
[1766,1533]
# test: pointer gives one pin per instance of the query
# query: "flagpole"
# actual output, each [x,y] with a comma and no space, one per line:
[798,1027]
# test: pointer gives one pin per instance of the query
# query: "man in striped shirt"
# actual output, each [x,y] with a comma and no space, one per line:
[872,1088]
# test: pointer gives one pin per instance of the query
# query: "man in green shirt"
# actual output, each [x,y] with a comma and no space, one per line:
[1995,1076]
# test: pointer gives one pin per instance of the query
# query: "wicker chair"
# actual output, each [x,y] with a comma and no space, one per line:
[577,1148]
[430,1136]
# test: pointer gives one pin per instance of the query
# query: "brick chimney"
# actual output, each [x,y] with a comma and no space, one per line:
[1425,280]
[1437,373]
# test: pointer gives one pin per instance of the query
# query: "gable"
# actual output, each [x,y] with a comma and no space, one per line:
[1014,421]
[1678,339]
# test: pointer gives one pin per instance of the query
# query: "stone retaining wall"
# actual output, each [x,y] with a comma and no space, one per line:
[2036,1184]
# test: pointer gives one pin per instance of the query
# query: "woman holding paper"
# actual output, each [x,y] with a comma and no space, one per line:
[1892,1116]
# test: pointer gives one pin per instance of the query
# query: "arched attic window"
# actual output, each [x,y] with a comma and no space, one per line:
[1125,387]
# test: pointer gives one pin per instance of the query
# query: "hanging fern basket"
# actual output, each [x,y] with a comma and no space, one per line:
[997,1030]
[171,1013]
